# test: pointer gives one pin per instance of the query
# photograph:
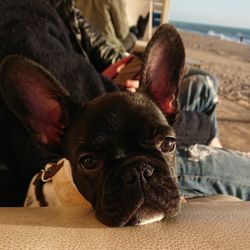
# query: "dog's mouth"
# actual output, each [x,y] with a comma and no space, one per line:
[138,207]
[146,215]
[140,215]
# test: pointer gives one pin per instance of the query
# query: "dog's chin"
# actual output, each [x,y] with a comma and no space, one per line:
[141,215]
[147,216]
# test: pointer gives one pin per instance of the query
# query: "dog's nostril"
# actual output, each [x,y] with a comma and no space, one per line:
[143,171]
[147,171]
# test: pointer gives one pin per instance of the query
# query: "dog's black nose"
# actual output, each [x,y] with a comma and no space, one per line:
[143,171]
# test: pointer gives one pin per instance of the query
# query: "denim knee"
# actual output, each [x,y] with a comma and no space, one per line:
[204,171]
[198,92]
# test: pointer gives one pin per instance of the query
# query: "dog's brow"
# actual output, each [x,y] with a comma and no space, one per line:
[157,137]
[162,132]
[96,142]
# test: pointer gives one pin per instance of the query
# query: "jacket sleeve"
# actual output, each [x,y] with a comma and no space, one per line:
[88,41]
[100,53]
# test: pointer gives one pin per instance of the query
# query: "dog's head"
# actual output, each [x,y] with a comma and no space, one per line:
[120,145]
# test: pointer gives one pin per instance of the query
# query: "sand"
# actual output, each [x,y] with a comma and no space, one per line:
[229,61]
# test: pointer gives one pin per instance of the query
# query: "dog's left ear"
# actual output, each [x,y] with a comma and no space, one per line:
[162,69]
[36,98]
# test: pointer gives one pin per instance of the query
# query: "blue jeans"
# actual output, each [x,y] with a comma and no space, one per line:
[198,92]
[204,170]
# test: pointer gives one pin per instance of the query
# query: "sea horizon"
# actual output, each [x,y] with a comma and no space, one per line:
[233,34]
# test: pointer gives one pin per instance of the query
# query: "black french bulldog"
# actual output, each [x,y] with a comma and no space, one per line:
[120,145]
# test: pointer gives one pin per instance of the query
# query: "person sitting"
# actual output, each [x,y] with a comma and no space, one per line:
[110,19]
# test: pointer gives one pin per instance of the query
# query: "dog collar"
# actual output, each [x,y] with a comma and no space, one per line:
[54,186]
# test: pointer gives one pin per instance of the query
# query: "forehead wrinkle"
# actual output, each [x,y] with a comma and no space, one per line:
[107,146]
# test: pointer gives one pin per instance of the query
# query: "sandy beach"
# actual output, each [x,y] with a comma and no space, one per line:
[229,61]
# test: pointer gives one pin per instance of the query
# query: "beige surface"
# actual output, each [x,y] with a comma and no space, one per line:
[214,225]
[234,125]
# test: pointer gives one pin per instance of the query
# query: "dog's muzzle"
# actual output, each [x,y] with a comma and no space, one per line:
[144,192]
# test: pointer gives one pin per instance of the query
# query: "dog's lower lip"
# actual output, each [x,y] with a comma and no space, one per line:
[124,221]
[169,213]
[129,221]
[130,218]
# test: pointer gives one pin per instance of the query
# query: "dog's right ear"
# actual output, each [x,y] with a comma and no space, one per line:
[36,98]
[162,69]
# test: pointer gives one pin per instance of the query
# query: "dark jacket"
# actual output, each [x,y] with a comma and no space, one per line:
[64,43]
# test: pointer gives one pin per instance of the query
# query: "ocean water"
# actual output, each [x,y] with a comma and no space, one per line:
[224,33]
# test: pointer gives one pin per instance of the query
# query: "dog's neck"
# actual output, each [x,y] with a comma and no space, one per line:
[59,191]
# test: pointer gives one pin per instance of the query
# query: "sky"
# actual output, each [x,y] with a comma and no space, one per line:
[232,13]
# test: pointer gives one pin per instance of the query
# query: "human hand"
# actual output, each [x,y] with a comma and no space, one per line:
[125,73]
[115,68]
[131,85]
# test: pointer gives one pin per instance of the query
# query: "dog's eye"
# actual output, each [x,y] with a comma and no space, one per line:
[168,145]
[88,162]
